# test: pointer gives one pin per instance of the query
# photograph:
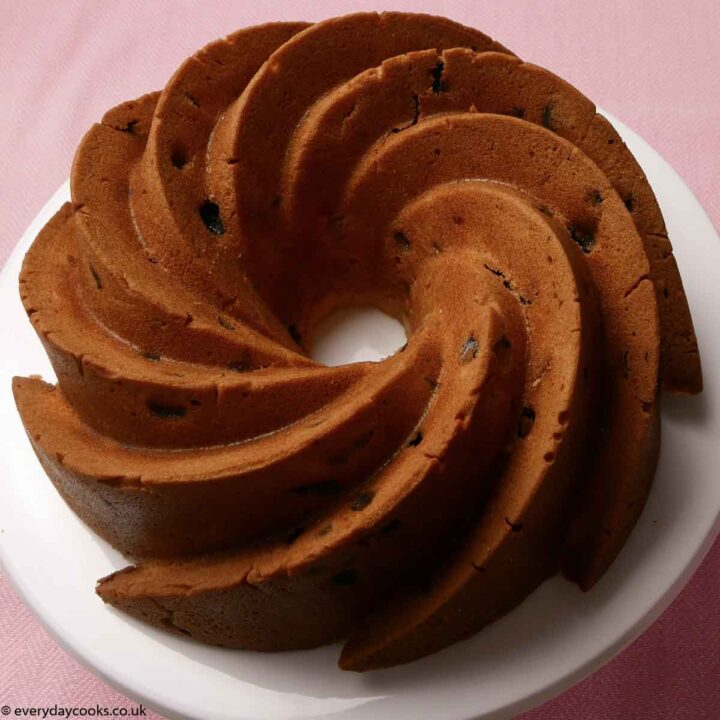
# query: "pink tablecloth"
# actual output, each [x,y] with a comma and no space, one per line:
[656,65]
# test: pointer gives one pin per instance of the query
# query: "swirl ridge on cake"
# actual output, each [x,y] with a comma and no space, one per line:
[398,160]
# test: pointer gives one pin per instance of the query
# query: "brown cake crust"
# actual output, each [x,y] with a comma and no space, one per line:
[343,125]
[561,178]
[316,587]
[397,160]
[250,143]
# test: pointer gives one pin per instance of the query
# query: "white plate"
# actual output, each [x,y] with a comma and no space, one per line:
[554,639]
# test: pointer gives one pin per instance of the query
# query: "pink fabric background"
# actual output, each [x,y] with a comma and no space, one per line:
[656,65]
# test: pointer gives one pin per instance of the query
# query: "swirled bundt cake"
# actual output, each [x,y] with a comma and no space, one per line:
[402,161]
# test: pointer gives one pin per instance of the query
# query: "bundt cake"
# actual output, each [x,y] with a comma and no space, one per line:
[395,160]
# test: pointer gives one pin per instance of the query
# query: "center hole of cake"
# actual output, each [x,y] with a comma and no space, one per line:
[357,334]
